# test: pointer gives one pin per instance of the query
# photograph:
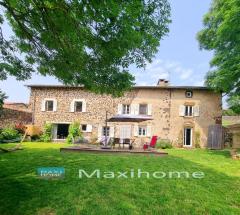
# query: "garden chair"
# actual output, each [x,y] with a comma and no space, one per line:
[152,143]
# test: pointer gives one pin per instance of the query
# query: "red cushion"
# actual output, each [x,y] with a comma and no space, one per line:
[153,141]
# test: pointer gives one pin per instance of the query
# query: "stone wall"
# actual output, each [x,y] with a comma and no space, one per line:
[166,123]
[11,117]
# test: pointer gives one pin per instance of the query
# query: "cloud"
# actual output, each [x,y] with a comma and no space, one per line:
[163,69]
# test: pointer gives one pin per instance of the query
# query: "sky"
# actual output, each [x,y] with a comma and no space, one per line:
[179,58]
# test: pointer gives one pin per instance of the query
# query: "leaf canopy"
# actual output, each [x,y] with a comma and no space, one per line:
[221,33]
[82,42]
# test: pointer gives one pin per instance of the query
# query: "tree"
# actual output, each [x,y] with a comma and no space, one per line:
[2,98]
[90,43]
[221,33]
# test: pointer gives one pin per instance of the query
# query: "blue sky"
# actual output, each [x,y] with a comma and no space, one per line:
[179,58]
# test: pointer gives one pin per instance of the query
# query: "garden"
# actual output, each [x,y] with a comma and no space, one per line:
[23,192]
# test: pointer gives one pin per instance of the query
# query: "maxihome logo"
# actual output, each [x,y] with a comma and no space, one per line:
[51,172]
[97,173]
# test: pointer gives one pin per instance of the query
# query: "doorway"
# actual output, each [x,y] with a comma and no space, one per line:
[187,137]
[62,131]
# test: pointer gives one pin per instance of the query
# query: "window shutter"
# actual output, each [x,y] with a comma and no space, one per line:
[149,130]
[132,109]
[119,108]
[111,133]
[181,110]
[149,109]
[99,131]
[136,112]
[43,105]
[84,106]
[135,130]
[196,110]
[54,105]
[89,128]
[72,106]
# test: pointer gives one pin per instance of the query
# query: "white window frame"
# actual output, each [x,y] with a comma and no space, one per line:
[126,109]
[46,106]
[43,105]
[142,131]
[185,139]
[75,106]
[189,111]
[82,127]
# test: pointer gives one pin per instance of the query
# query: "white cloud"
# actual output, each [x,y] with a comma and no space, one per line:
[163,69]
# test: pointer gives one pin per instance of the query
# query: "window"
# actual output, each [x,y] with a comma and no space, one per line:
[125,109]
[189,94]
[143,109]
[188,110]
[78,106]
[49,105]
[84,127]
[142,131]
[106,131]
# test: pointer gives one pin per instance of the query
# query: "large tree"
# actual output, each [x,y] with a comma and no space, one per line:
[87,42]
[221,33]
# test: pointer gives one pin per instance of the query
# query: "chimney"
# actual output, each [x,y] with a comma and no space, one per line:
[162,83]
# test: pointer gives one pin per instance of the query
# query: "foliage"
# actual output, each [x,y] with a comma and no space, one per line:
[163,144]
[221,34]
[9,134]
[73,132]
[229,112]
[20,127]
[197,140]
[2,97]
[47,133]
[83,42]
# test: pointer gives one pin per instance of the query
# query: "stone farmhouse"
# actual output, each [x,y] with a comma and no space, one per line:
[181,114]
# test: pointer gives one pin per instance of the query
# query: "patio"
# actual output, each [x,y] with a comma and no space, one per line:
[84,149]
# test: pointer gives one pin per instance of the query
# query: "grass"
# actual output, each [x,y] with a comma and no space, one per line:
[22,192]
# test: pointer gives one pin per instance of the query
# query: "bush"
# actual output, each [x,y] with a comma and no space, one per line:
[47,133]
[73,132]
[20,127]
[10,135]
[163,144]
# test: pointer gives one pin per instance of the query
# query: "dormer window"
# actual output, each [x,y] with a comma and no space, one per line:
[189,94]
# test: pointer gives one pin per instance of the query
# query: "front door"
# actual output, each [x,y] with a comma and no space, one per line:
[187,137]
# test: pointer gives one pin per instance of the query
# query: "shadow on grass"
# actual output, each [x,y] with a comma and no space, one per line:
[23,193]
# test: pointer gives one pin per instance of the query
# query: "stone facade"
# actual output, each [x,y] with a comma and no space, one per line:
[165,103]
[15,113]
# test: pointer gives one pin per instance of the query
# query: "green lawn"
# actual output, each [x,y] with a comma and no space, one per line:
[22,192]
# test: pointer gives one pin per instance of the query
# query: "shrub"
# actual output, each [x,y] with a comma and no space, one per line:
[73,132]
[47,133]
[8,134]
[163,144]
[20,127]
